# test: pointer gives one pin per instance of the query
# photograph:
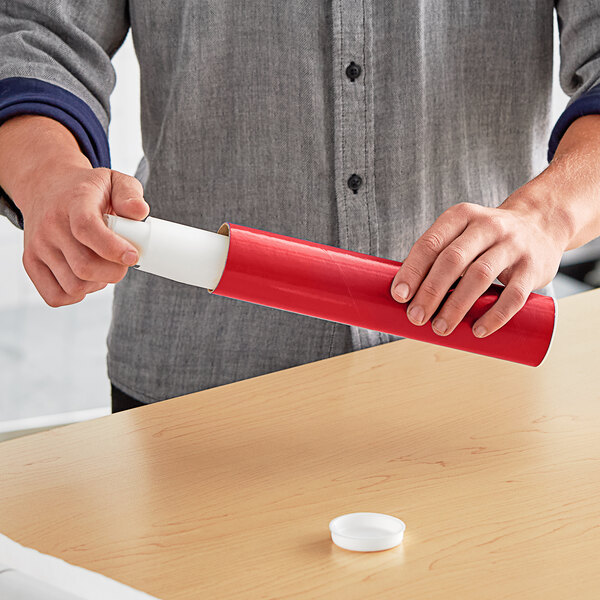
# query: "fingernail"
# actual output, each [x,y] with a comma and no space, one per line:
[479,331]
[402,291]
[440,326]
[416,314]
[130,258]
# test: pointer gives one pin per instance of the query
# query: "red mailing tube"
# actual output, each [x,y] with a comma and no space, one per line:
[352,288]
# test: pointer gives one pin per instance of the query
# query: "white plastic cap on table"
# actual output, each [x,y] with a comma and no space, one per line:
[367,532]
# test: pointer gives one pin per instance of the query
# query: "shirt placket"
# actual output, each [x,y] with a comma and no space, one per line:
[354,135]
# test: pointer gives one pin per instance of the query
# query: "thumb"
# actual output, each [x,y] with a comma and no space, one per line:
[127,197]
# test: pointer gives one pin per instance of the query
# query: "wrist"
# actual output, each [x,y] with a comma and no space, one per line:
[544,206]
[34,151]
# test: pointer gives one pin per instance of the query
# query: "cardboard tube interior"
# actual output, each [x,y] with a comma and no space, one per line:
[223,230]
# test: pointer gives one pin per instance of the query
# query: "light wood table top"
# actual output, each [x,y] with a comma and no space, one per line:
[494,467]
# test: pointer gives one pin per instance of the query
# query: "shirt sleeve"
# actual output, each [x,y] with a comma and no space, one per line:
[55,61]
[579,29]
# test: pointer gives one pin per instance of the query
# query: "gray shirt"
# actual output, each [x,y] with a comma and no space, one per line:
[249,115]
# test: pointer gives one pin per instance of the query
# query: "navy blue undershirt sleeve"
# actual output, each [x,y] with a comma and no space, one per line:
[26,96]
[588,104]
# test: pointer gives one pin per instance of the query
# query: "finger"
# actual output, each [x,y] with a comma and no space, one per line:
[88,266]
[71,284]
[89,228]
[511,300]
[46,284]
[127,197]
[476,280]
[446,269]
[426,249]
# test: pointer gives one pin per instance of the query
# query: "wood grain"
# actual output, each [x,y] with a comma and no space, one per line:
[494,467]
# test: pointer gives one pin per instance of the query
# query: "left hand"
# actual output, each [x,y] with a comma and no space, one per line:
[516,243]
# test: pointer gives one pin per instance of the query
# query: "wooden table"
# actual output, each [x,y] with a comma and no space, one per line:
[494,467]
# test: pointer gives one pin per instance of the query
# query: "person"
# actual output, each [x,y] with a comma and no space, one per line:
[401,129]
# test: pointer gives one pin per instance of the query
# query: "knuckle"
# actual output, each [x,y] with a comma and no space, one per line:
[454,255]
[117,274]
[518,294]
[429,289]
[128,180]
[75,288]
[520,245]
[462,208]
[54,299]
[82,223]
[483,270]
[35,240]
[498,225]
[408,269]
[432,242]
[83,269]
[454,306]
[86,187]
[101,174]
[28,259]
[501,314]
[96,181]
[526,262]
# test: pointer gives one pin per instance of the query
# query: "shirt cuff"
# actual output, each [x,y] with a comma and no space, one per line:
[588,104]
[26,96]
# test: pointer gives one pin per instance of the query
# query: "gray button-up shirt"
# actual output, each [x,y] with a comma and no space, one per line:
[248,115]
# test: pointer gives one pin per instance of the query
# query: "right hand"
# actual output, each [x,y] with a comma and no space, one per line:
[69,251]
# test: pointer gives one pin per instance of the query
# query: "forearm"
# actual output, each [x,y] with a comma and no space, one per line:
[32,149]
[567,193]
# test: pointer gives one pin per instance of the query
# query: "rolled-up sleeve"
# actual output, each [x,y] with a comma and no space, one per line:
[55,61]
[579,28]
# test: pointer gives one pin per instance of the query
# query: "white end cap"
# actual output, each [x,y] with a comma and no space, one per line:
[367,532]
[178,252]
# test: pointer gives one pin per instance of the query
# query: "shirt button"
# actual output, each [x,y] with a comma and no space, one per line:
[354,182]
[353,71]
